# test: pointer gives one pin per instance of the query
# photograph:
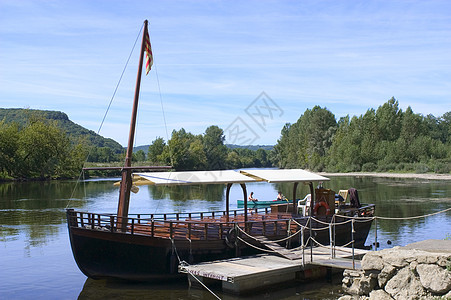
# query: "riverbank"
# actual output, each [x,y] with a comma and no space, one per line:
[420,270]
[427,176]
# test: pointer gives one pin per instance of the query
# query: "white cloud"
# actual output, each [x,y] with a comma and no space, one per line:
[214,58]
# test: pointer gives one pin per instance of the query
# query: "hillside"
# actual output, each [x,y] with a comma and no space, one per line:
[75,131]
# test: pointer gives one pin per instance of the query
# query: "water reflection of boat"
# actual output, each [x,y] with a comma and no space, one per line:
[150,246]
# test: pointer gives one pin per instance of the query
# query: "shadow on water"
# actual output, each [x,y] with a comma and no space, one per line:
[114,289]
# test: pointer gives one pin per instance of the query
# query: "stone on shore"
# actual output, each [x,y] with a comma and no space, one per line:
[434,278]
[403,273]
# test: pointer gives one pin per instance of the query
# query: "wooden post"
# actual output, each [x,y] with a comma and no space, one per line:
[294,197]
[243,186]
[312,198]
[229,185]
[126,182]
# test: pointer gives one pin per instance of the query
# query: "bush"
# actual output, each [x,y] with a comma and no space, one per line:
[442,168]
[369,167]
[421,168]
[386,167]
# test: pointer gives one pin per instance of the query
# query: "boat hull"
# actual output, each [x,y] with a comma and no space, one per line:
[110,254]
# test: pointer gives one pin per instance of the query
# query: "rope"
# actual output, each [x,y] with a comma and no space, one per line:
[164,116]
[325,223]
[359,219]
[106,113]
[275,241]
[184,264]
[415,217]
[253,246]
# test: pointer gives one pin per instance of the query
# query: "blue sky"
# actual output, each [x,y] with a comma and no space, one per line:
[247,66]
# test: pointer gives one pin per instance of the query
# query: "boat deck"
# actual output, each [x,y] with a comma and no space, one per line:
[217,226]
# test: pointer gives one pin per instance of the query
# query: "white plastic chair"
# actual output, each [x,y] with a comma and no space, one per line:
[304,205]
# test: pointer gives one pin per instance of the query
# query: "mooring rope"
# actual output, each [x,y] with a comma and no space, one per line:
[183,264]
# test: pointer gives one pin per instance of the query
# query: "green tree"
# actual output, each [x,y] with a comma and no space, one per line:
[215,150]
[9,137]
[305,143]
[178,152]
[197,156]
[233,160]
[389,120]
[42,147]
[139,155]
[156,150]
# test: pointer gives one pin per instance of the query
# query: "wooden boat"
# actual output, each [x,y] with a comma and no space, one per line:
[251,203]
[147,247]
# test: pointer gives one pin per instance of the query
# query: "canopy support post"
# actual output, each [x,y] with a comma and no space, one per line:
[312,201]
[229,185]
[243,186]
[295,186]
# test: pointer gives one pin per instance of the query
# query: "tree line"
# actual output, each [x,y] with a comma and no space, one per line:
[386,139]
[207,151]
[41,149]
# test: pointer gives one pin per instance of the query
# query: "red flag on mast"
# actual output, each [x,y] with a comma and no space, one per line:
[148,50]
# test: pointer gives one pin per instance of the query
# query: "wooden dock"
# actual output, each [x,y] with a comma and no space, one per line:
[244,274]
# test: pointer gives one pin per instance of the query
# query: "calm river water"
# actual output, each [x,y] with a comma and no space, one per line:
[36,260]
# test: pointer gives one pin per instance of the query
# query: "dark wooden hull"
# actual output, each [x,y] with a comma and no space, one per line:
[102,254]
[140,257]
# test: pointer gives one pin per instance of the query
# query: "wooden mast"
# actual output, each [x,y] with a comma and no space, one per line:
[126,182]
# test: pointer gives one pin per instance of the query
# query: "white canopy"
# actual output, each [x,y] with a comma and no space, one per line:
[283,175]
[225,176]
[191,177]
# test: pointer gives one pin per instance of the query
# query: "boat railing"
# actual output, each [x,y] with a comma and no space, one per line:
[195,215]
[199,225]
[190,226]
[363,211]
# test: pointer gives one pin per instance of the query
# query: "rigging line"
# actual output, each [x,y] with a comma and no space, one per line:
[106,112]
[162,110]
[164,115]
[120,79]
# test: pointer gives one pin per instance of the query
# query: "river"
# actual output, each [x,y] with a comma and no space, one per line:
[36,260]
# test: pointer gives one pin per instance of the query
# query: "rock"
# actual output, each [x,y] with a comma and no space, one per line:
[444,260]
[385,275]
[404,285]
[434,278]
[358,282]
[380,295]
[372,261]
[428,258]
[397,257]
[401,273]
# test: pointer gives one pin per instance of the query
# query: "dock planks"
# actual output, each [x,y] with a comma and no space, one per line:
[243,274]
